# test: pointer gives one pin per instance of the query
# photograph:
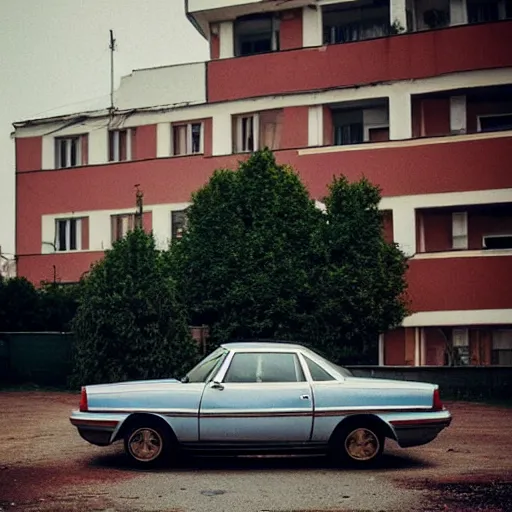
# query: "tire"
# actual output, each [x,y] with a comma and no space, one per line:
[149,444]
[358,445]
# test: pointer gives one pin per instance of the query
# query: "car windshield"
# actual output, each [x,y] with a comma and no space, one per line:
[205,368]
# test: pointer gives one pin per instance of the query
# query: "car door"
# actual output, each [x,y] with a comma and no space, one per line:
[261,397]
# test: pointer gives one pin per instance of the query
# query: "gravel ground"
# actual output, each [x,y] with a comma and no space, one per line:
[45,466]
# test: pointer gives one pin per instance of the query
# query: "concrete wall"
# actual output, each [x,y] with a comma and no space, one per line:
[477,382]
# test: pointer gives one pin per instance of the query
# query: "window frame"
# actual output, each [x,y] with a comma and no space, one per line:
[67,141]
[114,225]
[275,36]
[114,145]
[483,116]
[67,221]
[240,143]
[189,142]
[298,365]
[503,235]
[173,212]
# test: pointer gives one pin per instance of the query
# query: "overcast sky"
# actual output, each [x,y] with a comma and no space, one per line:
[54,59]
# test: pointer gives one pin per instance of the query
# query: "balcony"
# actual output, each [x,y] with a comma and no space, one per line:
[465,230]
[475,110]
[406,56]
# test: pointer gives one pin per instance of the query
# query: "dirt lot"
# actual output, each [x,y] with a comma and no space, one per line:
[45,466]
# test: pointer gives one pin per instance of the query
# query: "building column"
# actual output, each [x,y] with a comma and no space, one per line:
[458,116]
[222,135]
[227,40]
[400,116]
[312,32]
[417,347]
[98,146]
[458,12]
[316,126]
[381,350]
[398,13]
[48,152]
[404,229]
[163,140]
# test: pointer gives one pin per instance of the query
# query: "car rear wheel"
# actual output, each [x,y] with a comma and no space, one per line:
[148,444]
[359,445]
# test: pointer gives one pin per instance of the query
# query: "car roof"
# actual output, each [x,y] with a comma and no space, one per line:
[262,345]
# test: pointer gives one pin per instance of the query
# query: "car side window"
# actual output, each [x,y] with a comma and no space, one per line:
[318,374]
[203,370]
[258,367]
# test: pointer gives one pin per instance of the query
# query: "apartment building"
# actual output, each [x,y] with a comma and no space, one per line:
[416,95]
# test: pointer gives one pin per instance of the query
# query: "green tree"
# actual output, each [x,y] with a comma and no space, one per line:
[242,264]
[20,306]
[259,260]
[130,324]
[358,279]
[58,305]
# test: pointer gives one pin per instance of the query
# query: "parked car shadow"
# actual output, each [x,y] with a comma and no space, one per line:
[389,461]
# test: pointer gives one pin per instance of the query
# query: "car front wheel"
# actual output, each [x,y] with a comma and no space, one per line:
[148,445]
[358,445]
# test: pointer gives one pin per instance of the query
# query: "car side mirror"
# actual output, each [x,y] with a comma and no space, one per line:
[185,379]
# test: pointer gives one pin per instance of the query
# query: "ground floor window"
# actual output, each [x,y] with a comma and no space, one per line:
[502,347]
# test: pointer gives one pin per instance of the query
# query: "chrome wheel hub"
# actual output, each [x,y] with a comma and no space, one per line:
[362,444]
[145,444]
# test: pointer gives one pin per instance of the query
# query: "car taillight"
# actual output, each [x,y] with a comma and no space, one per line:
[438,405]
[83,400]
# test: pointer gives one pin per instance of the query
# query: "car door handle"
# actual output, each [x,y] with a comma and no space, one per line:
[304,397]
[217,385]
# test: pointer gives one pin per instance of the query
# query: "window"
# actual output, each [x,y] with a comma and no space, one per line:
[68,234]
[460,344]
[349,133]
[119,145]
[256,34]
[187,139]
[207,367]
[495,123]
[68,152]
[480,11]
[460,230]
[178,223]
[502,347]
[348,24]
[246,139]
[497,242]
[264,367]
[257,131]
[121,225]
[317,372]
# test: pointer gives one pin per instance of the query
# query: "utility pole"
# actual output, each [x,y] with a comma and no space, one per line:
[112,47]
[139,200]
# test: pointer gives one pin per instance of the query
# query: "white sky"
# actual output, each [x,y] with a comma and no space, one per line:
[54,58]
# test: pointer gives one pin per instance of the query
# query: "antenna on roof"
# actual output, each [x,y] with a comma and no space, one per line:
[112,47]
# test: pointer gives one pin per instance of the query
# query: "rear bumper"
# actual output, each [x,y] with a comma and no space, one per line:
[420,431]
[98,429]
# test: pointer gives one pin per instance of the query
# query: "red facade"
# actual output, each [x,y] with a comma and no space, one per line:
[403,57]
[421,175]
